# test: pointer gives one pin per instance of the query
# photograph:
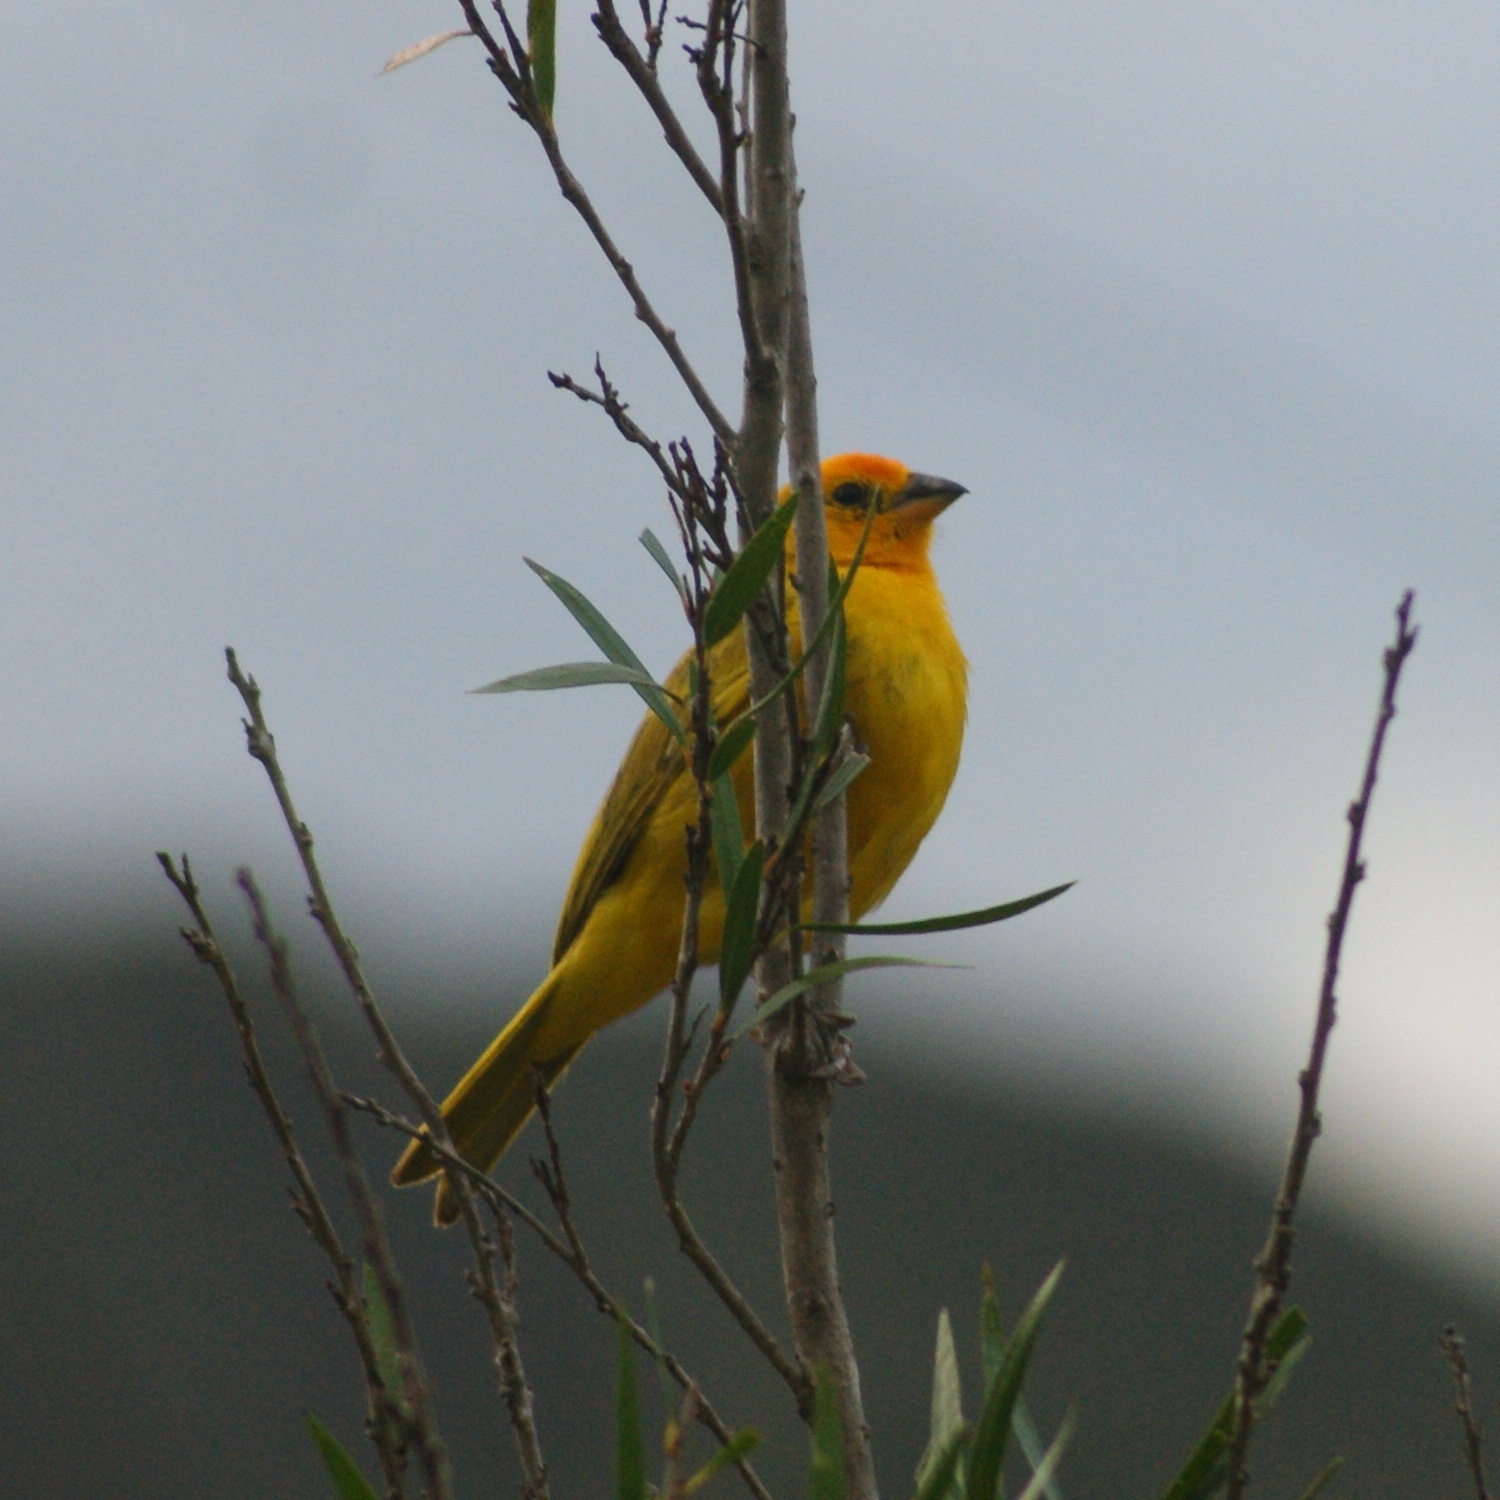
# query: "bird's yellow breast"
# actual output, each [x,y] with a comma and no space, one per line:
[906,699]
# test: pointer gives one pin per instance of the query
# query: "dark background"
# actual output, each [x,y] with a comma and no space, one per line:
[164,1326]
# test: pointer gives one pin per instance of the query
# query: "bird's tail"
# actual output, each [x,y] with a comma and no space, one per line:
[492,1101]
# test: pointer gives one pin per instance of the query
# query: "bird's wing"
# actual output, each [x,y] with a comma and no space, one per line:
[652,763]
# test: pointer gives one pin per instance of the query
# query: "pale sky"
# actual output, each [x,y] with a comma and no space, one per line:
[1198,299]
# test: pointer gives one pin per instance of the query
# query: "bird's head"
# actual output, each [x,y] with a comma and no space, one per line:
[904,505]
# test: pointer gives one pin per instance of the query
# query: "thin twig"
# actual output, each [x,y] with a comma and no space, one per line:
[714,62]
[642,71]
[509,65]
[515,1389]
[701,507]
[570,1251]
[1273,1265]
[418,1394]
[607,398]
[1453,1350]
[386,1423]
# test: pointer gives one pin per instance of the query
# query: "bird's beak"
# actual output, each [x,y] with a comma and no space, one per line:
[925,496]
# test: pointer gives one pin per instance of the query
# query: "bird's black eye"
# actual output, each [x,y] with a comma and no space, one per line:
[851,493]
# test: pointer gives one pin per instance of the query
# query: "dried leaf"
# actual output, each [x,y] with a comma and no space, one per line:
[421,49]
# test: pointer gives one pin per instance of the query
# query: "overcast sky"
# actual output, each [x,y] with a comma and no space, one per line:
[1199,299]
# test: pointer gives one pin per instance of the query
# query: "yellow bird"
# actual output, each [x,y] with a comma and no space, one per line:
[617,939]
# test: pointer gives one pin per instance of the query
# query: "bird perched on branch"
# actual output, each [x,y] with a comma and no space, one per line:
[618,936]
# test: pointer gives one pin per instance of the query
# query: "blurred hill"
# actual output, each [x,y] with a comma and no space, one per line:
[163,1324]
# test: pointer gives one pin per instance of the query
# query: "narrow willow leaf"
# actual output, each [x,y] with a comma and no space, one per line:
[1318,1485]
[729,837]
[630,1459]
[814,977]
[383,1340]
[349,1483]
[421,49]
[826,1480]
[941,1477]
[741,582]
[541,46]
[991,1327]
[835,605]
[653,1327]
[1041,1479]
[741,1445]
[737,946]
[951,923]
[840,782]
[947,1421]
[825,728]
[612,644]
[1031,1445]
[991,1433]
[992,1352]
[947,1394]
[569,674]
[732,744]
[1206,1471]
[831,703]
[663,560]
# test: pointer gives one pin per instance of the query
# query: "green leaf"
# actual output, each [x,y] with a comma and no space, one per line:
[835,605]
[1031,1445]
[1295,1346]
[831,702]
[947,1422]
[950,923]
[630,1459]
[383,1340]
[569,674]
[728,836]
[947,1394]
[992,1352]
[348,1482]
[541,46]
[741,582]
[941,1473]
[612,644]
[814,977]
[741,1445]
[826,1481]
[1206,1471]
[987,1451]
[825,729]
[1319,1484]
[653,1328]
[737,945]
[991,1327]
[663,560]
[731,745]
[1041,1479]
[840,782]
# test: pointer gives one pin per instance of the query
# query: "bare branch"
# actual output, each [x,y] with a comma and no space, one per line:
[1273,1265]
[714,62]
[607,398]
[514,1387]
[418,1395]
[701,508]
[515,78]
[1453,1350]
[386,1424]
[571,1253]
[642,71]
